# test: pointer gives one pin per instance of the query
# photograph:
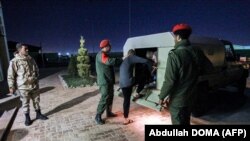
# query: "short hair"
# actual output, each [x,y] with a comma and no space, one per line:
[184,34]
[19,46]
[131,52]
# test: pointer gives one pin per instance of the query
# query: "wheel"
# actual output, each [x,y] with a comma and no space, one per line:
[242,82]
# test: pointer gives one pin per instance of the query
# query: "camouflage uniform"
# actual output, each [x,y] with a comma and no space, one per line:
[23,75]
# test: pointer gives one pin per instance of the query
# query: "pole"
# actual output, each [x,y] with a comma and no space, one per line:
[4,50]
[92,30]
[42,54]
[129,18]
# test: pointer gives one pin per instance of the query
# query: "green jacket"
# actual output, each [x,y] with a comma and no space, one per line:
[181,74]
[105,69]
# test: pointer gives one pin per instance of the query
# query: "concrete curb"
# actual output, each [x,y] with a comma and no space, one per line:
[64,84]
[6,121]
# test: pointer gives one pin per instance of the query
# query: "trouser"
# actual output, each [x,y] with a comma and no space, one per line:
[126,103]
[26,95]
[140,87]
[180,115]
[106,101]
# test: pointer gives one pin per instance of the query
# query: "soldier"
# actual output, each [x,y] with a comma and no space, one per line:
[23,75]
[105,80]
[181,74]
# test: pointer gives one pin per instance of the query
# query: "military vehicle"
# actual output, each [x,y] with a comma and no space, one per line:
[227,70]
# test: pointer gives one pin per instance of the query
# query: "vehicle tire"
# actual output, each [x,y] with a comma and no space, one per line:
[242,83]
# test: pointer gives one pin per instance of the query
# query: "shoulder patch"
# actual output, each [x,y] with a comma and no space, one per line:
[104,57]
[14,60]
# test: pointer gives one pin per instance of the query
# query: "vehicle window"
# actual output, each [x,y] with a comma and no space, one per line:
[229,53]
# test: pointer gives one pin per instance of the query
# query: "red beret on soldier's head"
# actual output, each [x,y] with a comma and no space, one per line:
[104,43]
[181,26]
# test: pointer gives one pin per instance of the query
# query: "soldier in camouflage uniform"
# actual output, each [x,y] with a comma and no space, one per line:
[181,75]
[105,80]
[23,76]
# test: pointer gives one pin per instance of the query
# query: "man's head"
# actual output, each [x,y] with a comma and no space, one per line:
[22,49]
[131,52]
[105,45]
[149,54]
[181,32]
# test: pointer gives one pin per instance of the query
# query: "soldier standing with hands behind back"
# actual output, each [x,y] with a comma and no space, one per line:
[23,75]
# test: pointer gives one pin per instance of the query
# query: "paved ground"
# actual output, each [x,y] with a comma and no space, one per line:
[71,115]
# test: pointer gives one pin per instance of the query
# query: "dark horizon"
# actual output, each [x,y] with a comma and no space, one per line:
[58,25]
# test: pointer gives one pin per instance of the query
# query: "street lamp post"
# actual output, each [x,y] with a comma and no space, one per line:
[41,53]
[129,18]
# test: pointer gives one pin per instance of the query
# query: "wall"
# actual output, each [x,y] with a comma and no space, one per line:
[4,55]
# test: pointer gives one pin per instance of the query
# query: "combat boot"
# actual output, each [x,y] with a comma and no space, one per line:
[109,113]
[98,119]
[27,119]
[40,116]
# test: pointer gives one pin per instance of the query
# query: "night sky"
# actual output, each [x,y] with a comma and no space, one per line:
[58,24]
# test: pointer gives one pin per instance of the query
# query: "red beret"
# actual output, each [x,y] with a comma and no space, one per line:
[104,43]
[181,27]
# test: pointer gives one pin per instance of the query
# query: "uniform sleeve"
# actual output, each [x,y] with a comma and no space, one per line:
[136,59]
[35,68]
[105,59]
[171,76]
[11,77]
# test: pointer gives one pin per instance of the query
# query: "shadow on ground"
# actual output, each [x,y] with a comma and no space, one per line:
[73,102]
[18,134]
[228,107]
[46,89]
[44,72]
[228,101]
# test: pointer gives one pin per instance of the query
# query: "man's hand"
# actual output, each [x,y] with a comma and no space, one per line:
[166,101]
[161,102]
[154,67]
[153,70]
[12,90]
